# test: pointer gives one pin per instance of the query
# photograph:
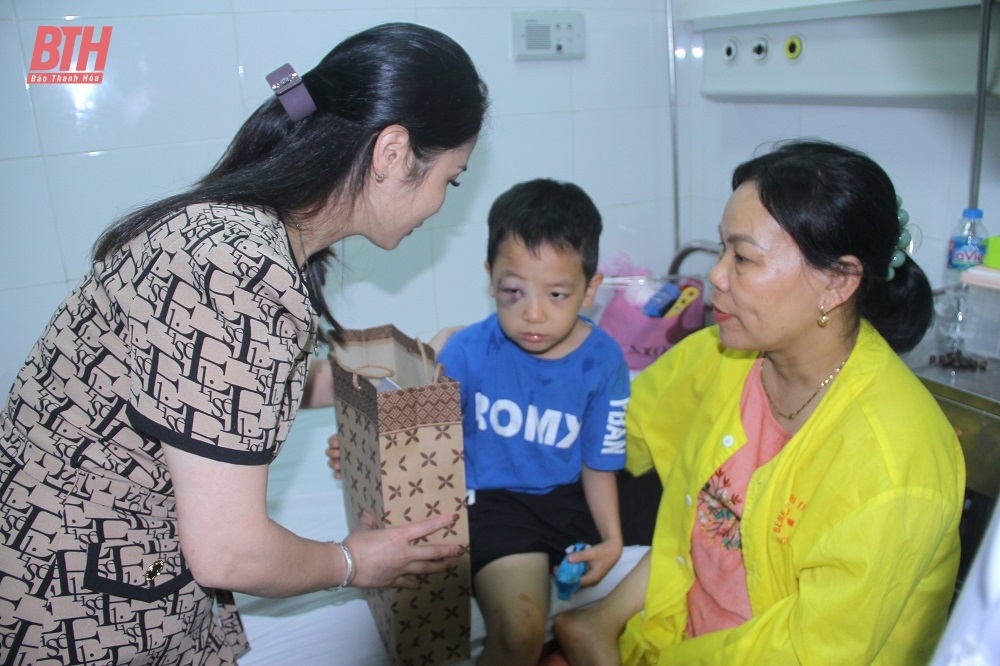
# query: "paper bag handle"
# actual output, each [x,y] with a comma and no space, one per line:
[389,372]
[435,378]
[423,361]
[438,368]
[370,375]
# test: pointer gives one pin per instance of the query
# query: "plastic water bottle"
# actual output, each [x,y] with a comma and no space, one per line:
[568,574]
[967,245]
[966,249]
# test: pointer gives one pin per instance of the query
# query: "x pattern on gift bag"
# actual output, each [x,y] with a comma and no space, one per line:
[403,459]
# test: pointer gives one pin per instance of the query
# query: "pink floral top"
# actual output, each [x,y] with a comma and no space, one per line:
[718,599]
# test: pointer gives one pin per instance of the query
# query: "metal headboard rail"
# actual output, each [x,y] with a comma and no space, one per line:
[694,247]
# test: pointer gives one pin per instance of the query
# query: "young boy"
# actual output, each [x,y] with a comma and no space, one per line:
[544,393]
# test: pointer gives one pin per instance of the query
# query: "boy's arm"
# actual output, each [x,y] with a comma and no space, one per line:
[601,491]
[440,338]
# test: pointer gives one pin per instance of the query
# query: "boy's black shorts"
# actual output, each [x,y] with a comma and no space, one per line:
[503,522]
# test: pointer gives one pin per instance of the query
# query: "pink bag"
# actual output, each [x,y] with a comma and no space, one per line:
[643,338]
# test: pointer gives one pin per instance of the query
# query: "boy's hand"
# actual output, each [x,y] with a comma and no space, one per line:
[599,559]
[333,453]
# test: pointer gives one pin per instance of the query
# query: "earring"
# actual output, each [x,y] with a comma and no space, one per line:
[379,177]
[824,319]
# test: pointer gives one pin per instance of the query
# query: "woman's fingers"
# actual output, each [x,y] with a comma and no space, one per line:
[399,556]
[423,528]
[406,582]
[416,570]
[432,565]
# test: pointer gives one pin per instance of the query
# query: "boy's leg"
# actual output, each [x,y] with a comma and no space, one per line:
[589,636]
[513,595]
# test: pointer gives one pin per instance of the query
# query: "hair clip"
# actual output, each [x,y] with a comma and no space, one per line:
[903,244]
[291,91]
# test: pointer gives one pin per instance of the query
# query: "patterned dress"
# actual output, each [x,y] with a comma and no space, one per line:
[196,334]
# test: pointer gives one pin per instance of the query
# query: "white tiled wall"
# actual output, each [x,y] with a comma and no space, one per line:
[181,76]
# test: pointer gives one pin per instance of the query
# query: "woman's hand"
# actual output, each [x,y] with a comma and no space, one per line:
[394,556]
[333,455]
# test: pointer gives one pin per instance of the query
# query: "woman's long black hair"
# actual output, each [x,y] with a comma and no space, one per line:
[397,73]
[835,201]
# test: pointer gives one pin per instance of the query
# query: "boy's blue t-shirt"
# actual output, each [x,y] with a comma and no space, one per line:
[530,423]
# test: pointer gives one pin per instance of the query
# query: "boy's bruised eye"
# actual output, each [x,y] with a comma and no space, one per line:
[508,295]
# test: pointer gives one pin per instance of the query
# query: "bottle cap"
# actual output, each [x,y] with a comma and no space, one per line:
[973,213]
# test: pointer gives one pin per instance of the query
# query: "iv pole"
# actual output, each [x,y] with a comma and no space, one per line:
[672,76]
[977,142]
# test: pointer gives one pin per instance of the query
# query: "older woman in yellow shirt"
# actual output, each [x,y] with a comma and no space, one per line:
[812,486]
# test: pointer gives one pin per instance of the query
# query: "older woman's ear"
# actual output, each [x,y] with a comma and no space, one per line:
[843,282]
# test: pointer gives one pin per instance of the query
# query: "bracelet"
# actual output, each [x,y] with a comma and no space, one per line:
[349,576]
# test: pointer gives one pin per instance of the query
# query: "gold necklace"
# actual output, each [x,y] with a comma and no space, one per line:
[791,415]
[304,269]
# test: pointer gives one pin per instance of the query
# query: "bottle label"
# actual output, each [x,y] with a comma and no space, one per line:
[965,252]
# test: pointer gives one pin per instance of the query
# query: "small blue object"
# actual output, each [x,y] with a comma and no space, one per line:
[661,301]
[568,574]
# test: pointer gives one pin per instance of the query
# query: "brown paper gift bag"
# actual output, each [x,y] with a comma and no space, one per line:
[402,458]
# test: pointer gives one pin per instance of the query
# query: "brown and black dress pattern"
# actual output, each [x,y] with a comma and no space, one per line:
[197,335]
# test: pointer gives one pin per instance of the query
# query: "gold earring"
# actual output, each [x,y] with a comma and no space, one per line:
[824,319]
[379,177]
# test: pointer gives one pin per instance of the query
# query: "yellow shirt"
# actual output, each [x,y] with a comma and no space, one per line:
[850,533]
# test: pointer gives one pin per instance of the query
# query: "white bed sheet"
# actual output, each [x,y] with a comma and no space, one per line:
[336,627]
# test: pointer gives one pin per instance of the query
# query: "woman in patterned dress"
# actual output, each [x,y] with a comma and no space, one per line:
[135,442]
